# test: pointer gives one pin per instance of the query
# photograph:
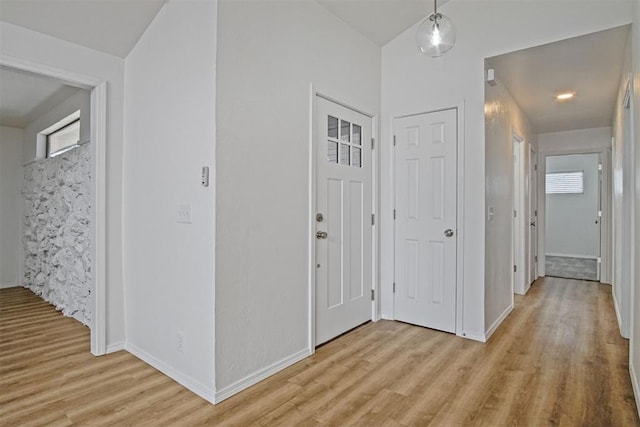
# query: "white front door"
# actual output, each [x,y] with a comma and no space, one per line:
[343,219]
[425,225]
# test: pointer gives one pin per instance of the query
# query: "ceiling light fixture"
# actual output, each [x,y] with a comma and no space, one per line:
[436,34]
[565,96]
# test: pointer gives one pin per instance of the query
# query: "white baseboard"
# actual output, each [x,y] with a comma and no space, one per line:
[498,321]
[8,285]
[634,385]
[116,346]
[573,256]
[207,393]
[260,375]
[473,336]
[618,315]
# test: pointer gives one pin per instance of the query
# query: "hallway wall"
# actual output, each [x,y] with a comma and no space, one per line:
[413,83]
[10,205]
[503,117]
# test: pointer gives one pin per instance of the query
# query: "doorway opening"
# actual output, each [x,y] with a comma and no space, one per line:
[573,216]
[84,254]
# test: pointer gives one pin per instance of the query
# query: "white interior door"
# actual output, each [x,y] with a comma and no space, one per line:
[343,219]
[425,219]
[533,216]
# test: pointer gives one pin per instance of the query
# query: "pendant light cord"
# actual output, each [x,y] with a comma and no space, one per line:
[435,7]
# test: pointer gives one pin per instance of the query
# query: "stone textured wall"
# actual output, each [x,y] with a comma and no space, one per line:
[57,233]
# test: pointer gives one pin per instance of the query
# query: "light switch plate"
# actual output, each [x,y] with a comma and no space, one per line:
[183,214]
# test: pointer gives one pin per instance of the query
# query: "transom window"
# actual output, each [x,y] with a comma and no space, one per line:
[63,139]
[344,142]
[565,183]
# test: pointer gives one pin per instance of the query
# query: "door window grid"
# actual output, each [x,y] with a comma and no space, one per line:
[344,142]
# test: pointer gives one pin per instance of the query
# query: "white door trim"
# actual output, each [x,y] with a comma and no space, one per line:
[315,92]
[518,284]
[533,203]
[98,131]
[459,107]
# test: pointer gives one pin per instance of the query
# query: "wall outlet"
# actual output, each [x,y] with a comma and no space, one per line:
[179,342]
[183,214]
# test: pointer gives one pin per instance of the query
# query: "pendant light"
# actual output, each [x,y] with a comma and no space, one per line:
[435,35]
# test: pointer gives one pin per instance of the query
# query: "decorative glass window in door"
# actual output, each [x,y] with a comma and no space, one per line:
[344,142]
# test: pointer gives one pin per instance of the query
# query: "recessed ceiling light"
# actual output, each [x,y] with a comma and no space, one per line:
[564,96]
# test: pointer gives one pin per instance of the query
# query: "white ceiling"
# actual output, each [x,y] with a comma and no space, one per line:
[25,96]
[589,65]
[111,26]
[380,20]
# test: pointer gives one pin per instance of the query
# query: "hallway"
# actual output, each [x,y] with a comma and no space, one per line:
[557,359]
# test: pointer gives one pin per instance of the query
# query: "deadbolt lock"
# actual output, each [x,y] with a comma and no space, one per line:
[319,217]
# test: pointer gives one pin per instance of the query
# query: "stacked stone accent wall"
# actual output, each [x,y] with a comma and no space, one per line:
[57,231]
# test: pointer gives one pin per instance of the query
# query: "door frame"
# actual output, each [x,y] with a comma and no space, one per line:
[518,226]
[345,102]
[459,107]
[532,204]
[98,132]
[605,205]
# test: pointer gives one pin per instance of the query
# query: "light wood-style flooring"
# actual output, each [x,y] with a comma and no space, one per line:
[558,359]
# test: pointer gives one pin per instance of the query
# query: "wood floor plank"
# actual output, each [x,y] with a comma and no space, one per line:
[558,359]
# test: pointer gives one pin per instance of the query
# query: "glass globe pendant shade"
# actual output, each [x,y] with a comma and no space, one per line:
[435,35]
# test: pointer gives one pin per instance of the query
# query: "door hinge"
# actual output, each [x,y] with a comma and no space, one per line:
[373,143]
[394,140]
[515,213]
[599,214]
[373,295]
[535,213]
[535,167]
[515,268]
[394,287]
[373,219]
[600,167]
[536,258]
[394,214]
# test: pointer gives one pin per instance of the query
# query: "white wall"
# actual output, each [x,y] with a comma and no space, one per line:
[570,218]
[414,83]
[31,47]
[634,346]
[269,54]
[623,228]
[503,117]
[586,140]
[170,134]
[10,202]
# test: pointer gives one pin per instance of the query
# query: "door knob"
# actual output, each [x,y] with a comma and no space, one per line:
[448,232]
[321,235]
[533,224]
